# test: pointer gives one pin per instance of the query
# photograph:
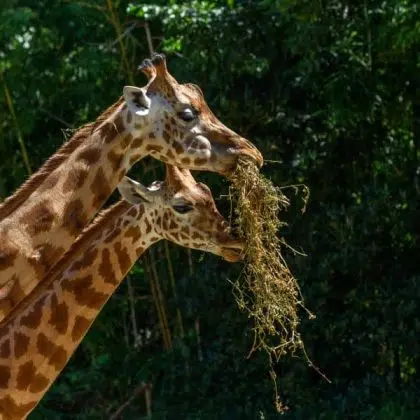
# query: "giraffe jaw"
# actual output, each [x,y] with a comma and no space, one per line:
[233,253]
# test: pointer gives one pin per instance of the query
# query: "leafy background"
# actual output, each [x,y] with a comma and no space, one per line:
[330,93]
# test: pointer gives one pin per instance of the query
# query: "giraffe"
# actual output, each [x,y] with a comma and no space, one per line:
[45,328]
[165,119]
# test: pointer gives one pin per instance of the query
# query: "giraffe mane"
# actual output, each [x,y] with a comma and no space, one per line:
[77,248]
[60,156]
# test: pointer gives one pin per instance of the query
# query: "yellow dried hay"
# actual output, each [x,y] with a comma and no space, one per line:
[266,289]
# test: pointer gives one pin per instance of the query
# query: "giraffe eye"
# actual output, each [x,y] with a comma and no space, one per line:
[187,114]
[183,208]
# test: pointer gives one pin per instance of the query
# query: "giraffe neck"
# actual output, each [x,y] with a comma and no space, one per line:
[43,331]
[81,176]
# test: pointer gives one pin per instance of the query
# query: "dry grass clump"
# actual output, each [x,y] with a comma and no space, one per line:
[267,288]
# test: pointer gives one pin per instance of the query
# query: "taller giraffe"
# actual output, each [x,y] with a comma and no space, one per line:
[42,332]
[164,119]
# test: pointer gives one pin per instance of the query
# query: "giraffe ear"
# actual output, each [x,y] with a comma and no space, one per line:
[134,192]
[137,100]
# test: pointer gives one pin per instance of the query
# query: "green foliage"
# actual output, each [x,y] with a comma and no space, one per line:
[327,90]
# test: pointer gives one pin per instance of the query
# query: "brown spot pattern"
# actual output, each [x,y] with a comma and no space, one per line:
[21,344]
[154,148]
[74,218]
[166,136]
[50,182]
[80,326]
[177,147]
[134,233]
[89,156]
[38,219]
[85,260]
[75,180]
[33,317]
[132,212]
[56,355]
[4,376]
[148,226]
[5,349]
[44,345]
[137,143]
[25,375]
[165,223]
[59,317]
[100,188]
[123,258]
[115,159]
[84,293]
[105,269]
[39,383]
[58,358]
[196,235]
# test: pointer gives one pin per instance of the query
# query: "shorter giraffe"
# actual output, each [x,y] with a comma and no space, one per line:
[43,330]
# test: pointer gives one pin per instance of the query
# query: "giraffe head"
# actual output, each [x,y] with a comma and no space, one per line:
[185,131]
[183,211]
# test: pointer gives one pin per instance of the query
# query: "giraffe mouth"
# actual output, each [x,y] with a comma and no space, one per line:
[233,253]
[226,158]
[251,153]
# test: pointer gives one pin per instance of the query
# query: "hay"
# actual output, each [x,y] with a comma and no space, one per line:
[266,289]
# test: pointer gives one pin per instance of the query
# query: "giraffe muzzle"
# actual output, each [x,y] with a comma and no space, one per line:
[233,251]
[248,151]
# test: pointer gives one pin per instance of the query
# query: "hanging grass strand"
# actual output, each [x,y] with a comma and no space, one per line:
[266,288]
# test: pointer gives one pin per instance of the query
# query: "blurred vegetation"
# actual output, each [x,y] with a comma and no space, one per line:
[330,91]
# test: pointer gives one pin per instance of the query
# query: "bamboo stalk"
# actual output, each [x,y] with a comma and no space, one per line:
[117,26]
[197,320]
[136,335]
[145,388]
[16,124]
[173,287]
[150,278]
[161,302]
[158,299]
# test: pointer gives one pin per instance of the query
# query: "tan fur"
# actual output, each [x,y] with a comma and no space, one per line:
[43,218]
[45,328]
[60,156]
